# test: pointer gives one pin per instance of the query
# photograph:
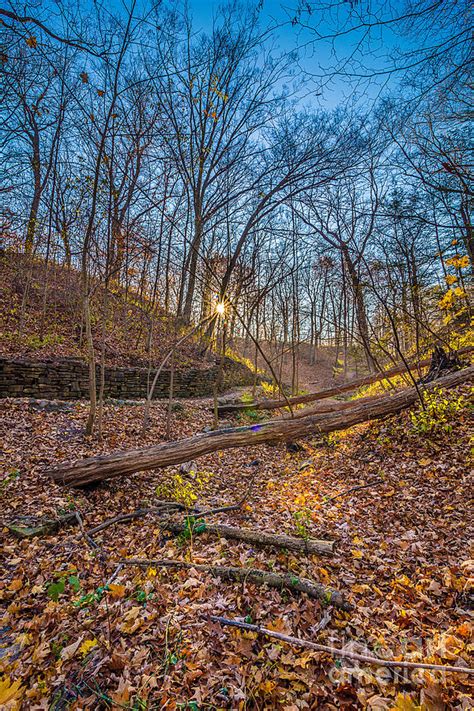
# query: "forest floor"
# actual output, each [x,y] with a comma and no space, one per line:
[145,642]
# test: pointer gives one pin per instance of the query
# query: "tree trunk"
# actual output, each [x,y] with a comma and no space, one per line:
[109,466]
[196,244]
[91,359]
[331,392]
[362,323]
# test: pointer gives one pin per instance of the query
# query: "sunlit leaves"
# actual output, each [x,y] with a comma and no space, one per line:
[10,691]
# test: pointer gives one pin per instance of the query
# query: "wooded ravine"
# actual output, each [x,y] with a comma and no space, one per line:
[236,356]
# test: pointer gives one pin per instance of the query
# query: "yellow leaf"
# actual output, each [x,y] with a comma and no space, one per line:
[403,702]
[86,646]
[324,575]
[116,590]
[267,686]
[424,462]
[9,691]
[404,580]
[357,554]
[357,540]
[16,584]
[360,588]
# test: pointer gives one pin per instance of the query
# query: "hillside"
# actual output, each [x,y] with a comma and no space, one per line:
[41,317]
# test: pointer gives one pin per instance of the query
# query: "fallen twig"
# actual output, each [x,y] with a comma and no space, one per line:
[89,540]
[138,513]
[297,642]
[166,505]
[354,488]
[116,572]
[255,576]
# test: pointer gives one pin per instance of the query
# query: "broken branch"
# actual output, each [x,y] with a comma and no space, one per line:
[297,642]
[254,576]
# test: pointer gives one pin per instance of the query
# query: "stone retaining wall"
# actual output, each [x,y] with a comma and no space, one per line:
[68,379]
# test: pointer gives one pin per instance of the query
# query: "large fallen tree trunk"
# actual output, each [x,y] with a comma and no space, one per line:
[93,469]
[335,390]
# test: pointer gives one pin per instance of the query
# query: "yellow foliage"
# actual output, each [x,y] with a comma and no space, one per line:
[86,646]
[10,692]
[458,262]
[447,301]
[403,702]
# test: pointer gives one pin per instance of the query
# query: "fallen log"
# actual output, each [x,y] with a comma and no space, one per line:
[261,538]
[336,652]
[29,527]
[92,469]
[256,577]
[335,390]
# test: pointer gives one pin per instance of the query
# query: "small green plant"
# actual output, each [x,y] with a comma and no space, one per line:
[58,588]
[254,415]
[439,413]
[247,397]
[50,339]
[9,478]
[91,598]
[302,519]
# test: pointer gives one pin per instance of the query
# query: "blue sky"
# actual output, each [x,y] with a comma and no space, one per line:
[317,58]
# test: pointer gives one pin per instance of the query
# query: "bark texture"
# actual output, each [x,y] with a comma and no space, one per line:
[262,538]
[256,577]
[94,469]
